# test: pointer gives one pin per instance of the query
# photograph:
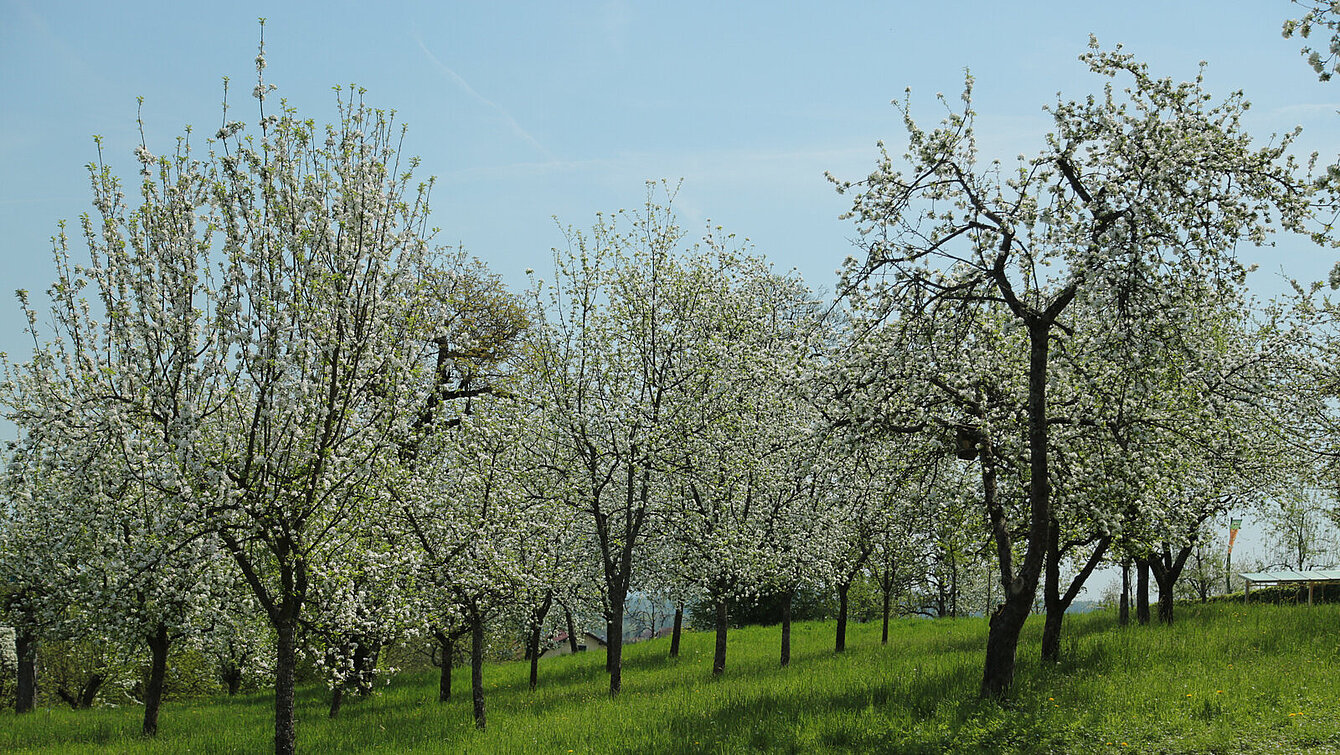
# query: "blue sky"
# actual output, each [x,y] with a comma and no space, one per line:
[527,111]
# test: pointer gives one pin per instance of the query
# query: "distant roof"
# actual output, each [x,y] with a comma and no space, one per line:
[1291,575]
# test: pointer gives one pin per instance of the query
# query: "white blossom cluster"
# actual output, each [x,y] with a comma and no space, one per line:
[9,658]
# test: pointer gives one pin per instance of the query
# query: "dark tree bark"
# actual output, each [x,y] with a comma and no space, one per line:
[534,652]
[1167,569]
[1057,603]
[572,630]
[1165,600]
[69,698]
[1051,599]
[336,699]
[884,629]
[87,693]
[1008,621]
[786,627]
[25,694]
[286,666]
[1142,590]
[1002,642]
[1124,614]
[616,552]
[231,675]
[283,607]
[341,684]
[840,641]
[614,645]
[363,657]
[159,644]
[444,681]
[678,627]
[446,643]
[536,627]
[366,662]
[477,668]
[953,587]
[722,626]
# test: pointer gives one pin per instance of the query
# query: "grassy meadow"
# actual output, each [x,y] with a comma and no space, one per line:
[1224,678]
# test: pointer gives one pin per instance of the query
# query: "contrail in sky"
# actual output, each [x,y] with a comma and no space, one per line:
[465,86]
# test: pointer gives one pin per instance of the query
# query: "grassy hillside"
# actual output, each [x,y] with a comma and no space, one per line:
[1225,678]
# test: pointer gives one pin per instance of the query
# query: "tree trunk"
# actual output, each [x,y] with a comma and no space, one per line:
[159,642]
[786,627]
[25,643]
[534,658]
[536,627]
[990,584]
[1142,590]
[1007,622]
[840,642]
[572,630]
[1002,642]
[884,631]
[1057,603]
[1124,614]
[674,633]
[614,645]
[232,679]
[722,626]
[87,693]
[447,643]
[336,698]
[1167,568]
[286,665]
[346,646]
[1051,598]
[365,665]
[90,691]
[477,668]
[1166,602]
[953,587]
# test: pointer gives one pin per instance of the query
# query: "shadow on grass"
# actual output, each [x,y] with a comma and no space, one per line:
[921,712]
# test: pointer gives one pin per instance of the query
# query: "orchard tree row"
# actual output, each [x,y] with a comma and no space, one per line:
[266,418]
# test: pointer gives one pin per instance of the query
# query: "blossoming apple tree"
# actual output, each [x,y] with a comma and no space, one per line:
[1146,184]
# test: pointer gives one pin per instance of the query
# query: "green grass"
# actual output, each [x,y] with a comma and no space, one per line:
[1225,678]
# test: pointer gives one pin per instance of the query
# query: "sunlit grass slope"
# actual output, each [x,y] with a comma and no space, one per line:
[1225,678]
